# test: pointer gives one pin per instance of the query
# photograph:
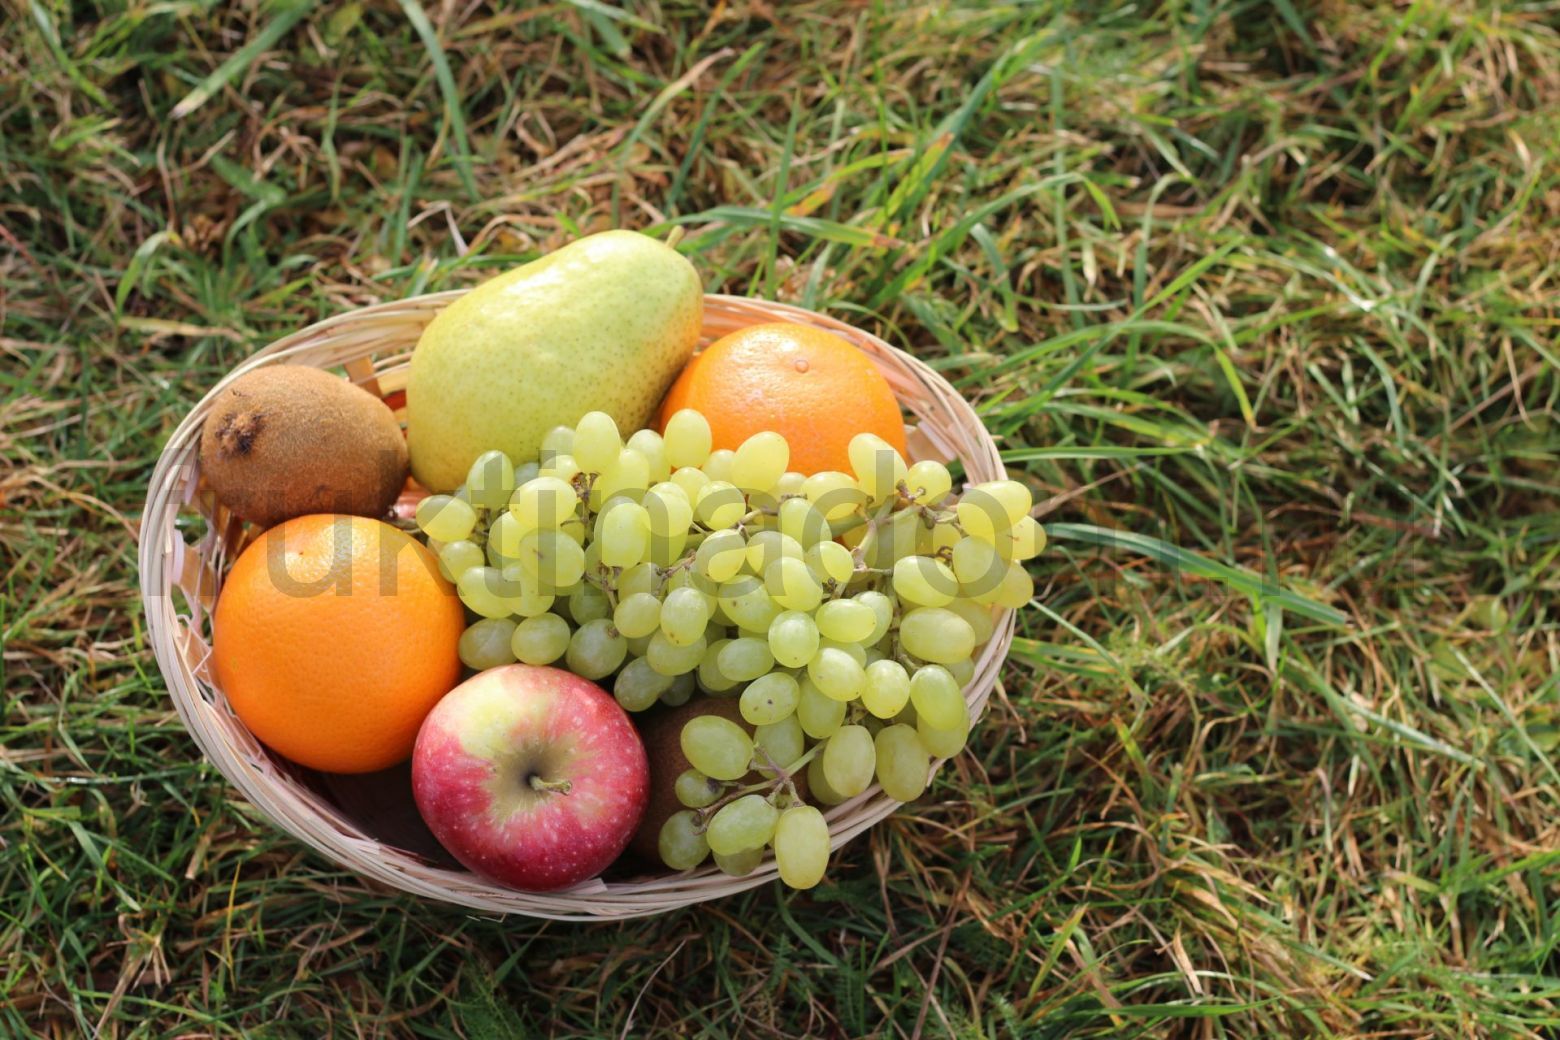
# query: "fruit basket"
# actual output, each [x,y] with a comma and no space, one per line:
[187,541]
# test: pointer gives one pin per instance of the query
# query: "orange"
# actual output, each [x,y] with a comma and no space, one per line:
[333,638]
[808,385]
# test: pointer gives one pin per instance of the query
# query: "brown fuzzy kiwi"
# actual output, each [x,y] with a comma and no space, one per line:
[661,730]
[288,440]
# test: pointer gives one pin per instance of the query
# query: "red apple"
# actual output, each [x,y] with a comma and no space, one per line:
[533,777]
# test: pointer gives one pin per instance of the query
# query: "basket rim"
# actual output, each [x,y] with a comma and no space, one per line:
[166,562]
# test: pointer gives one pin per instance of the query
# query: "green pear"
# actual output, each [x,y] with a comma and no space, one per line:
[603,324]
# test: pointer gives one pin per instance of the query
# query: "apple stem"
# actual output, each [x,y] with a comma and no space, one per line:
[561,786]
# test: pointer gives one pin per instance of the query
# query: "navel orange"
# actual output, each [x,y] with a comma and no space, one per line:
[805,383]
[333,637]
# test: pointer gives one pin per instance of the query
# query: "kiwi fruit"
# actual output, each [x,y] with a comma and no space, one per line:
[661,731]
[289,440]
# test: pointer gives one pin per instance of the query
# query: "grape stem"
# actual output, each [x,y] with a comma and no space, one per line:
[781,778]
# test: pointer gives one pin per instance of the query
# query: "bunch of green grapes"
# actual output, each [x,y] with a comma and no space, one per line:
[844,610]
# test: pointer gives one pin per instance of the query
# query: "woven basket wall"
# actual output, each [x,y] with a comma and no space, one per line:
[180,580]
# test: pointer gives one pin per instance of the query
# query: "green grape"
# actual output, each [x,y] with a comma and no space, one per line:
[936,634]
[446,518]
[846,621]
[596,442]
[770,698]
[836,673]
[624,534]
[818,788]
[681,843]
[870,656]
[766,547]
[718,465]
[924,581]
[740,864]
[790,483]
[694,789]
[835,495]
[902,762]
[541,639]
[883,607]
[1013,498]
[457,558]
[588,603]
[719,505]
[681,689]
[830,561]
[687,439]
[720,556]
[637,579]
[793,638]
[849,760]
[759,461]
[819,714]
[557,441]
[491,480]
[942,535]
[709,674]
[743,823]
[855,651]
[982,515]
[800,522]
[649,444]
[670,509]
[596,649]
[1014,590]
[745,658]
[527,471]
[543,502]
[670,658]
[716,747]
[748,604]
[975,616]
[976,564]
[522,593]
[637,615]
[461,492]
[638,645]
[560,467]
[638,686]
[943,743]
[792,586]
[887,688]
[781,741]
[936,696]
[802,846]
[573,529]
[486,644]
[962,671]
[503,539]
[553,558]
[479,588]
[897,540]
[929,482]
[629,474]
[879,468]
[690,479]
[684,614]
[1028,539]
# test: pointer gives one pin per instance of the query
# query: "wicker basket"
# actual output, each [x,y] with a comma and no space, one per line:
[179,583]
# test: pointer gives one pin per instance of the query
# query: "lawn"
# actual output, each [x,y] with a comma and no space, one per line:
[1274,285]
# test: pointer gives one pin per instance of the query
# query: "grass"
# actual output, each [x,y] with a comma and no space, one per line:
[1274,285]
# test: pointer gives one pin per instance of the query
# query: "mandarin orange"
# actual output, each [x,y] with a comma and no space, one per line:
[809,385]
[333,637]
